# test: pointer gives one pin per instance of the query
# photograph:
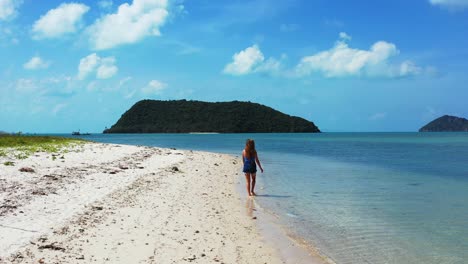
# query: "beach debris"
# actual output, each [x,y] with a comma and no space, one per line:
[175,168]
[254,218]
[7,206]
[114,172]
[16,256]
[4,209]
[62,231]
[52,177]
[26,169]
[192,258]
[41,261]
[123,167]
[216,164]
[38,192]
[52,247]
[98,208]
[80,257]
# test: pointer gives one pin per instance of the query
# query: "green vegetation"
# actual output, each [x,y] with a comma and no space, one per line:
[22,145]
[9,163]
[154,116]
[446,123]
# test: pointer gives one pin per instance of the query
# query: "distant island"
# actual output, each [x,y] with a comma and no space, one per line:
[182,116]
[446,123]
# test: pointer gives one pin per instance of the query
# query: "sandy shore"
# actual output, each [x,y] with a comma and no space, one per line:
[105,203]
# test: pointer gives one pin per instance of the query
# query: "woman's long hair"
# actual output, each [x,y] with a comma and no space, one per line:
[250,148]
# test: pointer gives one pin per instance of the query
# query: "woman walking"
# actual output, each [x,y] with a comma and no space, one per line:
[250,159]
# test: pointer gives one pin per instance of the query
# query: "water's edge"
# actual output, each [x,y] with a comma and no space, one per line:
[291,248]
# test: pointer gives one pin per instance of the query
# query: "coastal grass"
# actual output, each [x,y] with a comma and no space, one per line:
[22,146]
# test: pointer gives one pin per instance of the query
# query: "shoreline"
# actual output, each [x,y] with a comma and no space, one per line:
[291,248]
[126,204]
[76,208]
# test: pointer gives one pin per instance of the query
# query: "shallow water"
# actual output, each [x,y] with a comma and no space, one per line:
[358,197]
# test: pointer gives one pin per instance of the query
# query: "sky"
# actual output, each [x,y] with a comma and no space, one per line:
[353,66]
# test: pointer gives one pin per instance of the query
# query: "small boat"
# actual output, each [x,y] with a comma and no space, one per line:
[78,133]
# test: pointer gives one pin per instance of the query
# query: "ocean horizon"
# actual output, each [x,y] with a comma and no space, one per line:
[355,197]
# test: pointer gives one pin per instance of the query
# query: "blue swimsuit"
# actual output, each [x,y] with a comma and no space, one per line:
[249,165]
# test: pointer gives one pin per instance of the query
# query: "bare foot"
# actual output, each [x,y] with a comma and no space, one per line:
[253,193]
[250,194]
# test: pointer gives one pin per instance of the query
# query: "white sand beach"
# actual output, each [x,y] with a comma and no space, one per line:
[106,203]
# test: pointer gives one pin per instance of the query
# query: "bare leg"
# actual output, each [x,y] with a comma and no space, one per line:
[254,176]
[247,178]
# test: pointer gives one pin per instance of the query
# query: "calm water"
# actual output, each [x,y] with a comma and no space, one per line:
[359,197]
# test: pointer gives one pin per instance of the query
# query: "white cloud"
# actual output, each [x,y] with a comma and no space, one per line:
[130,94]
[87,65]
[345,36]
[9,8]
[105,4]
[269,66]
[184,48]
[130,24]
[9,34]
[377,116]
[154,87]
[58,108]
[125,80]
[245,61]
[451,4]
[92,86]
[62,20]
[251,60]
[342,61]
[289,27]
[25,85]
[409,68]
[36,63]
[333,23]
[61,86]
[105,67]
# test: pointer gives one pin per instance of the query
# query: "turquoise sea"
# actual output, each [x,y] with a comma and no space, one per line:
[358,197]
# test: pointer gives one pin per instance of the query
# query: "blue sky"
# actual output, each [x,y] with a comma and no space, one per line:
[346,65]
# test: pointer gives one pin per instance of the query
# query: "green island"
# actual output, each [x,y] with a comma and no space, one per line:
[182,116]
[446,123]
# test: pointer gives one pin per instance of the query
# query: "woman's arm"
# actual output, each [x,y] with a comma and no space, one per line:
[258,162]
[243,153]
